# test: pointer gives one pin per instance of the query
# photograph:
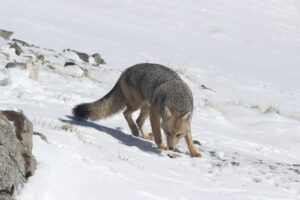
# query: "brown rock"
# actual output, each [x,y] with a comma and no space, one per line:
[16,160]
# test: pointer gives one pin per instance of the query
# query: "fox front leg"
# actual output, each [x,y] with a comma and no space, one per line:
[191,146]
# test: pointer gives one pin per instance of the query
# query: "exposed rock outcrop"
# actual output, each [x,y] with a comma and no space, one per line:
[16,53]
[16,160]
[84,57]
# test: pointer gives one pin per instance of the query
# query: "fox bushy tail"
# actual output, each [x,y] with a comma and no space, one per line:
[108,105]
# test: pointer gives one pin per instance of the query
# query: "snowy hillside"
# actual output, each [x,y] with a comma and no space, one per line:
[248,121]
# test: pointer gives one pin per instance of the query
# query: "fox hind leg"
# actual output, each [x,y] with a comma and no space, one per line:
[132,125]
[133,101]
[141,120]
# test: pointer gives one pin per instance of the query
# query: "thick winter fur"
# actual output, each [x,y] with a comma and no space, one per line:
[110,104]
[157,91]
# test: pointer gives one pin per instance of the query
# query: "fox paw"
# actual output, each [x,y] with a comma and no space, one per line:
[149,136]
[196,154]
[135,131]
[162,147]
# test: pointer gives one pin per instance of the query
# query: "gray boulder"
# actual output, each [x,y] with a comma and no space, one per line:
[16,160]
[17,48]
[98,59]
[5,34]
[83,56]
[15,64]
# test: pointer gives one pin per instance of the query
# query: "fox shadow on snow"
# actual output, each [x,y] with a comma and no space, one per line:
[124,138]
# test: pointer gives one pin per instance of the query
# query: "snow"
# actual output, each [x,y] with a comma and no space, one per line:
[248,125]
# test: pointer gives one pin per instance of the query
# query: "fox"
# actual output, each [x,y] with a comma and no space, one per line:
[158,92]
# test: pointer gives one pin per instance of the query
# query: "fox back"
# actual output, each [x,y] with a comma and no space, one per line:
[160,86]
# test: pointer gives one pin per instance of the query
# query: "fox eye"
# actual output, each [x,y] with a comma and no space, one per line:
[168,119]
[168,133]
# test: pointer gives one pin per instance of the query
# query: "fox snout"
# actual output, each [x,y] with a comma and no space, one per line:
[172,142]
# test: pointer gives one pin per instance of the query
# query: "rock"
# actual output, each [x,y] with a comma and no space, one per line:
[5,34]
[17,48]
[40,57]
[51,67]
[95,58]
[21,42]
[16,160]
[69,63]
[83,56]
[15,64]
[98,59]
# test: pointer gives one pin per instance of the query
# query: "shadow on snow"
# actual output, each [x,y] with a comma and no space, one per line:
[124,138]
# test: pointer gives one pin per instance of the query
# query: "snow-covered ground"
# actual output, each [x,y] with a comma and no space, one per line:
[246,51]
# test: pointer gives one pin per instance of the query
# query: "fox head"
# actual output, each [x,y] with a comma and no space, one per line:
[175,125]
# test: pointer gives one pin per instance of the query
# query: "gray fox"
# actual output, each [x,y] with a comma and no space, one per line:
[159,92]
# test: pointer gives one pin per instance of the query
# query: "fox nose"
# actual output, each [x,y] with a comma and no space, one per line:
[171,148]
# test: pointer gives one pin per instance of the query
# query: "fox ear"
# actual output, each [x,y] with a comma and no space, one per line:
[187,116]
[168,113]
